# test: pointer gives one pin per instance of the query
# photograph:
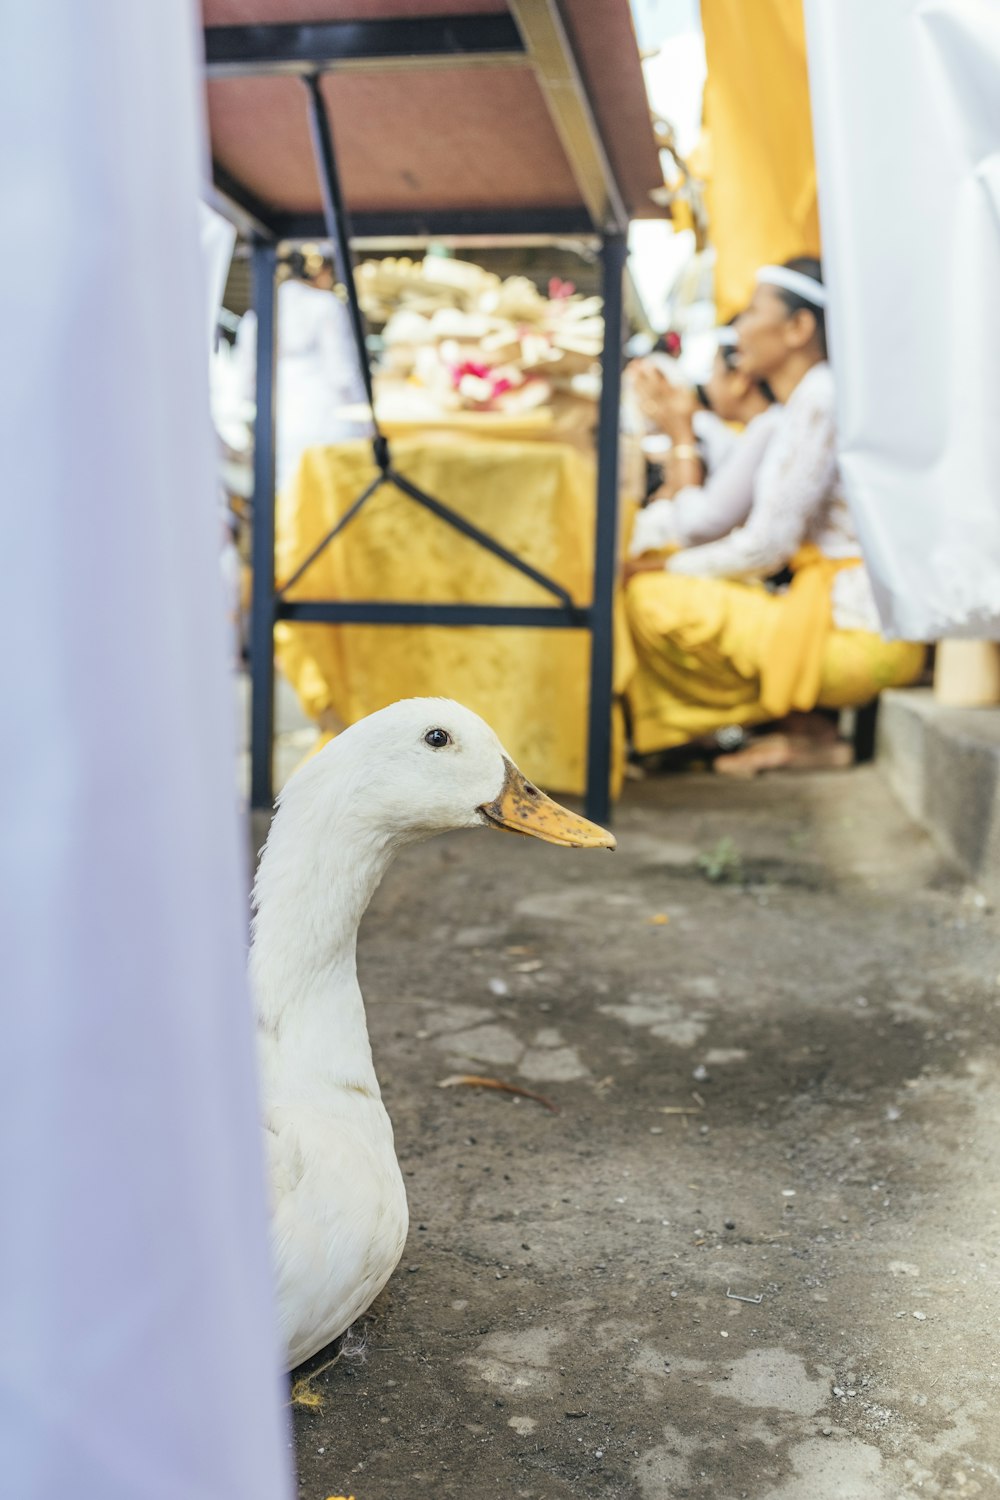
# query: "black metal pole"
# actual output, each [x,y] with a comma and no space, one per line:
[264,265]
[338,227]
[598,803]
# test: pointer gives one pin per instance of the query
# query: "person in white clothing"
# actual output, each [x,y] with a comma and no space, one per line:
[704,508]
[796,493]
[319,384]
[797,497]
[716,649]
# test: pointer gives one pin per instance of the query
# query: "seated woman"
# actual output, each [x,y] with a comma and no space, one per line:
[714,647]
[700,511]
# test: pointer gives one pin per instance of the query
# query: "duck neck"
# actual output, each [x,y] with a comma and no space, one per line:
[310,895]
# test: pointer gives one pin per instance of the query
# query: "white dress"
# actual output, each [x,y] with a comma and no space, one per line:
[318,374]
[702,512]
[797,497]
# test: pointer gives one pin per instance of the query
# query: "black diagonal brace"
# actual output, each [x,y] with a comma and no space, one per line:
[339,230]
[467,529]
[321,546]
[451,518]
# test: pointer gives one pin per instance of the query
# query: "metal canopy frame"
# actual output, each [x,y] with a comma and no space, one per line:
[342,46]
[534,33]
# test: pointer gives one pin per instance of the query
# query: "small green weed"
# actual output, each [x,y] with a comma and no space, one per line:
[722,864]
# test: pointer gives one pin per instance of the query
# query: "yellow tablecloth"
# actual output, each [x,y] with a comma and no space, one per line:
[531,685]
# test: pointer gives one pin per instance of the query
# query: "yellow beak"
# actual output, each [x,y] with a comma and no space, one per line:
[522,808]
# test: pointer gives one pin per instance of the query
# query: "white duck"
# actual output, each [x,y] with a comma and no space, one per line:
[412,770]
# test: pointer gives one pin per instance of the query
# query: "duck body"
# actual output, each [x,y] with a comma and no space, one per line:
[339,1214]
[340,1217]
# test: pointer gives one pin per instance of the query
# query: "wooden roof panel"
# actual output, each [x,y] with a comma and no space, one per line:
[423,140]
[432,139]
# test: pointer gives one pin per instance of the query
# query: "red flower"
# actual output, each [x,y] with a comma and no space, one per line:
[498,384]
[469,367]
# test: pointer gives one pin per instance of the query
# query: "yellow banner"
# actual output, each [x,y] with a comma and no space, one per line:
[761,192]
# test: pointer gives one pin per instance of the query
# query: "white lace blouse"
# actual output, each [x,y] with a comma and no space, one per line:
[714,437]
[797,497]
[702,512]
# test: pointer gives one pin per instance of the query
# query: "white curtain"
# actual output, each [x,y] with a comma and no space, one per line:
[218,239]
[137,1354]
[906,117]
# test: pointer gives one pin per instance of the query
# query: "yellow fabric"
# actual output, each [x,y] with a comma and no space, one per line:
[703,646]
[761,192]
[537,498]
[489,424]
[792,661]
[681,213]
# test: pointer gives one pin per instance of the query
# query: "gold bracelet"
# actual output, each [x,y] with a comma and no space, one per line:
[685,450]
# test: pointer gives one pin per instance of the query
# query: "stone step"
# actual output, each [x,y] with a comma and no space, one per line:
[944,765]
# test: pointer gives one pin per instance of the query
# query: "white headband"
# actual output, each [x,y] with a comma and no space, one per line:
[806,287]
[727,338]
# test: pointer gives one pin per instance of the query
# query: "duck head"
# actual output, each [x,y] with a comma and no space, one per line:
[417,768]
[427,765]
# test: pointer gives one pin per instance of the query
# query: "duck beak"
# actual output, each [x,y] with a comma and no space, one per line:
[522,808]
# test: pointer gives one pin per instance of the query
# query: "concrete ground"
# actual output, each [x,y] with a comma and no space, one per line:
[755,1253]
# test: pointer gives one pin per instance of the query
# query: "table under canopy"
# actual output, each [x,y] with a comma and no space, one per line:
[398,122]
[537,497]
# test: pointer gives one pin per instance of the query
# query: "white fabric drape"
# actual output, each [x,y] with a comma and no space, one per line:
[138,1357]
[218,240]
[906,119]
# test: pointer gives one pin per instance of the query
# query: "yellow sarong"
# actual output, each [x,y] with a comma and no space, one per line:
[713,653]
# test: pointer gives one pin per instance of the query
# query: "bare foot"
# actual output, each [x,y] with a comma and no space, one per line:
[815,726]
[786,752]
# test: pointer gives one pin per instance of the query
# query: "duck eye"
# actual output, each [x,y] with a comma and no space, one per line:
[437,738]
